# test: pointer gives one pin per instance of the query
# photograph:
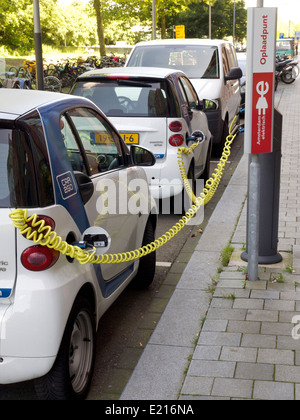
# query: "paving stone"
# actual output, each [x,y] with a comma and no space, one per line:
[250,327]
[288,343]
[238,354]
[212,368]
[259,340]
[279,305]
[276,328]
[238,388]
[220,338]
[248,304]
[274,391]
[262,315]
[287,373]
[197,386]
[229,314]
[207,352]
[282,357]
[264,294]
[215,325]
[255,371]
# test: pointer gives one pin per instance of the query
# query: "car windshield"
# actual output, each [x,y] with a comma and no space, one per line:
[196,61]
[123,97]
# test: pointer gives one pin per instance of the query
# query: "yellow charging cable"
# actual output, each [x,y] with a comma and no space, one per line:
[37,230]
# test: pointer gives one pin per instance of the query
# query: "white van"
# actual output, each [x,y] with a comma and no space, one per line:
[212,67]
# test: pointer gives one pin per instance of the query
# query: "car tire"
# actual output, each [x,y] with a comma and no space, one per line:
[186,201]
[206,173]
[218,149]
[146,271]
[71,375]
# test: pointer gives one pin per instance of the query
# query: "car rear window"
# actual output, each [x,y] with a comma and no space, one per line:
[196,61]
[24,170]
[127,97]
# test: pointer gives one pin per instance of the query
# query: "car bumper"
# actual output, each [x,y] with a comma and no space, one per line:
[18,369]
[164,177]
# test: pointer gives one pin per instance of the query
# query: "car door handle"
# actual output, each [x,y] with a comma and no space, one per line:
[85,185]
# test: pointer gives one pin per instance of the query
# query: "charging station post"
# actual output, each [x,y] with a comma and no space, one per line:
[261,43]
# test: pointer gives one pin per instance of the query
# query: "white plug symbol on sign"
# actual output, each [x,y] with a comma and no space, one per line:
[262,88]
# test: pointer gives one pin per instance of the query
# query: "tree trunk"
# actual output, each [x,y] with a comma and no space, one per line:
[100,28]
[163,26]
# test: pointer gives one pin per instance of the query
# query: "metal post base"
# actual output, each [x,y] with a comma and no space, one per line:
[267,260]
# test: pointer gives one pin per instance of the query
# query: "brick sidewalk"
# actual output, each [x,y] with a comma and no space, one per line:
[245,347]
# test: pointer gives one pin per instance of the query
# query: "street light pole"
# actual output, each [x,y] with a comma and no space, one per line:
[209,35]
[233,32]
[38,45]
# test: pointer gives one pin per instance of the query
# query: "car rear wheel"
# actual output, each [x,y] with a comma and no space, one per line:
[146,271]
[206,173]
[186,200]
[71,375]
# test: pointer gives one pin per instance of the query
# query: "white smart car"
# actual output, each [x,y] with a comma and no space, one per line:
[158,109]
[212,67]
[62,161]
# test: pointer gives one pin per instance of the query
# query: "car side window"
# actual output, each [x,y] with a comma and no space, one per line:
[188,93]
[230,56]
[225,62]
[100,142]
[74,153]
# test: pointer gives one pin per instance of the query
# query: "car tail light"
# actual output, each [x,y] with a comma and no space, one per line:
[39,258]
[175,126]
[48,222]
[176,140]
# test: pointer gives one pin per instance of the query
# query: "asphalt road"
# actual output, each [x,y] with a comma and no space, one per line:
[127,326]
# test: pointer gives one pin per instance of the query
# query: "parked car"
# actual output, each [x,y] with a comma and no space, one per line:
[158,109]
[213,69]
[56,152]
[242,60]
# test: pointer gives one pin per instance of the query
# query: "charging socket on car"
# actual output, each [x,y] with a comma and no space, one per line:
[96,241]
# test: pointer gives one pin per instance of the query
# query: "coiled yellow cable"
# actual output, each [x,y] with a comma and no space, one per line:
[45,236]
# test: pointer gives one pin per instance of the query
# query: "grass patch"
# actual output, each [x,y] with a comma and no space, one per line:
[226,255]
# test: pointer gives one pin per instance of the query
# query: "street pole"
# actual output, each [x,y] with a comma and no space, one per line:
[38,46]
[253,218]
[254,205]
[153,20]
[233,31]
[209,30]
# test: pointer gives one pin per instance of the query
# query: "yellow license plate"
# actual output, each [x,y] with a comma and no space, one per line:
[130,138]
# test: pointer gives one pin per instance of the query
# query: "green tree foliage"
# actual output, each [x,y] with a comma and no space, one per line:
[196,19]
[76,25]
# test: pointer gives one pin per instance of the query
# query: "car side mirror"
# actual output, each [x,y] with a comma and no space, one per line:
[209,105]
[235,73]
[85,185]
[141,156]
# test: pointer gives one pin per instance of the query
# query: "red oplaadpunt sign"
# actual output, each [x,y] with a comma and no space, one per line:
[262,112]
